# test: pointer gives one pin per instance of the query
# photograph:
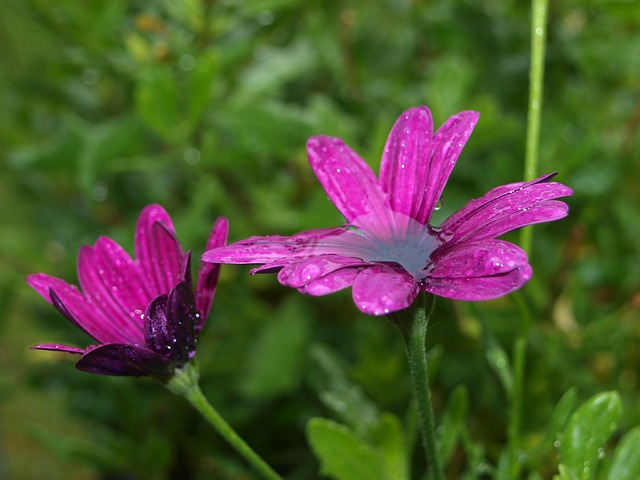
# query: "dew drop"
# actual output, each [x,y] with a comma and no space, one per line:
[601,453]
[557,444]
[439,204]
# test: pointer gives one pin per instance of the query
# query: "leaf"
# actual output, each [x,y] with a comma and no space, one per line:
[586,434]
[278,358]
[342,396]
[625,463]
[499,362]
[390,438]
[561,413]
[454,415]
[342,453]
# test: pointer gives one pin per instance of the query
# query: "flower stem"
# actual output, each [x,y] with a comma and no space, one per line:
[412,325]
[185,384]
[539,9]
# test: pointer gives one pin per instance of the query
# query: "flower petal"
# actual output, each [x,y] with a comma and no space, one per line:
[275,248]
[331,282]
[478,288]
[382,289]
[158,250]
[59,348]
[479,270]
[106,360]
[113,285]
[74,306]
[170,324]
[298,274]
[482,258]
[506,208]
[416,164]
[150,362]
[404,170]
[348,180]
[209,272]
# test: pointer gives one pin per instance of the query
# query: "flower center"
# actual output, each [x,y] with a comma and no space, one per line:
[396,239]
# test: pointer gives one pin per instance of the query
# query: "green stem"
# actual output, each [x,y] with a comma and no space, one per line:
[185,384]
[539,9]
[517,393]
[412,325]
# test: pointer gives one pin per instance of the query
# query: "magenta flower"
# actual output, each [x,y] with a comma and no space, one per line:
[387,251]
[142,313]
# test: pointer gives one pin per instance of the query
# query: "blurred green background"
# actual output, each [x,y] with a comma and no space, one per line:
[204,106]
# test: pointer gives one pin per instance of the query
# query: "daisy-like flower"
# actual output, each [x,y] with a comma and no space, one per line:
[388,251]
[143,314]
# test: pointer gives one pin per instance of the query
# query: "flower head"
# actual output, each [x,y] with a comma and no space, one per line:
[143,313]
[388,250]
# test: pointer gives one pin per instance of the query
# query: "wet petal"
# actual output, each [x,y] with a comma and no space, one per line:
[106,360]
[482,258]
[58,348]
[448,143]
[382,289]
[405,166]
[298,274]
[478,288]
[348,180]
[170,324]
[150,362]
[158,250]
[108,282]
[506,208]
[331,282]
[75,307]
[181,308]
[275,248]
[209,272]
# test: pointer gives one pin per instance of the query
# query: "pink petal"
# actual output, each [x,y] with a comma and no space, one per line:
[59,348]
[113,284]
[404,170]
[158,250]
[482,258]
[382,289]
[416,164]
[298,274]
[506,208]
[75,307]
[107,360]
[478,288]
[209,272]
[275,248]
[348,180]
[331,282]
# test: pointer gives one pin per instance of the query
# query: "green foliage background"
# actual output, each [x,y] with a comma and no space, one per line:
[204,106]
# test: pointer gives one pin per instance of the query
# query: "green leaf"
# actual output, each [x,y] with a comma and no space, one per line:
[342,453]
[499,361]
[586,434]
[279,355]
[457,408]
[560,415]
[625,464]
[342,396]
[390,438]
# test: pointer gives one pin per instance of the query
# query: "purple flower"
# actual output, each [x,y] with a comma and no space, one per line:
[388,251]
[142,313]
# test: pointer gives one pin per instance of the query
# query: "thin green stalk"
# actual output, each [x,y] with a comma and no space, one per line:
[185,384]
[412,325]
[539,10]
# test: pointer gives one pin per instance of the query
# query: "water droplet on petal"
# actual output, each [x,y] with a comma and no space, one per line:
[439,204]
